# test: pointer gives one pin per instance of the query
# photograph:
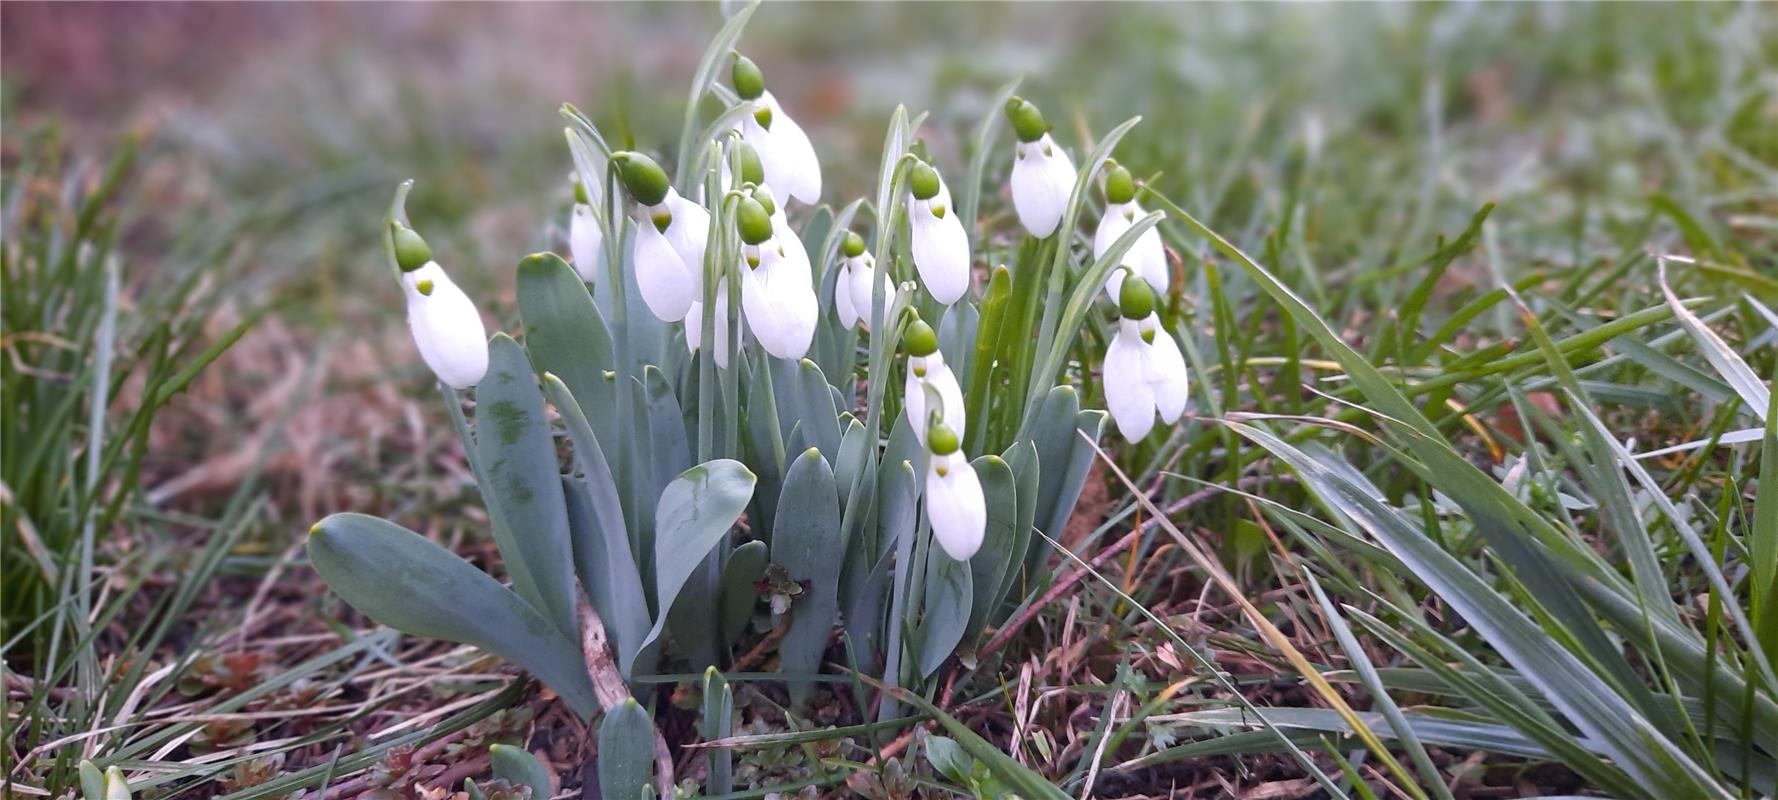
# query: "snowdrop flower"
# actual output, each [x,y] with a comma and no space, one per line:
[954,503]
[851,293]
[784,150]
[1145,257]
[1042,175]
[584,236]
[926,367]
[776,294]
[941,248]
[446,327]
[1144,372]
[670,235]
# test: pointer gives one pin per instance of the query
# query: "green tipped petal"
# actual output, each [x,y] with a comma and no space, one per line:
[749,82]
[921,340]
[923,181]
[1027,121]
[642,177]
[1134,298]
[753,221]
[411,252]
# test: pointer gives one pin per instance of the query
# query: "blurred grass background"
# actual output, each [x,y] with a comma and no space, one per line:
[1334,141]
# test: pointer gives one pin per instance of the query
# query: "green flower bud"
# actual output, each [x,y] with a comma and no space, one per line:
[942,439]
[921,340]
[116,788]
[644,179]
[1120,187]
[752,170]
[923,181]
[764,195]
[580,195]
[749,82]
[411,252]
[853,246]
[753,221]
[1134,298]
[1027,121]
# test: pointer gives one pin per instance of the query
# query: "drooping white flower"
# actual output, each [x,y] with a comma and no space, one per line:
[940,245]
[776,293]
[1144,370]
[852,292]
[954,502]
[927,367]
[784,149]
[671,233]
[446,327]
[1042,174]
[1146,257]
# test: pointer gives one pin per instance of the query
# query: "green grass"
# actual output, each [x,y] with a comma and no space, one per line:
[1442,511]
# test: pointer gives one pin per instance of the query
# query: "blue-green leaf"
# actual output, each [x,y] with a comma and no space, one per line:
[989,566]
[626,753]
[695,513]
[517,766]
[522,484]
[402,580]
[806,543]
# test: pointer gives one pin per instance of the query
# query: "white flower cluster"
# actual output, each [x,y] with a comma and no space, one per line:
[777,164]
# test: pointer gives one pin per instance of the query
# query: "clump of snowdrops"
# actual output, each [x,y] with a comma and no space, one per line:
[781,415]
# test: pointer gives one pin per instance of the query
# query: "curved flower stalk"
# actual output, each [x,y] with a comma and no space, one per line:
[671,232]
[940,245]
[954,502]
[776,293]
[447,329]
[789,158]
[851,293]
[1146,257]
[1042,174]
[927,367]
[1145,372]
[585,238]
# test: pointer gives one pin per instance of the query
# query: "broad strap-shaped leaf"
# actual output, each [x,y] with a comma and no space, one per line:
[565,335]
[522,485]
[1000,548]
[404,581]
[746,567]
[806,543]
[1021,458]
[693,516]
[626,753]
[945,610]
[517,766]
[718,722]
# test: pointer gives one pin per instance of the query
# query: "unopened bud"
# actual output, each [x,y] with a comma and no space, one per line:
[752,170]
[853,246]
[1120,187]
[942,439]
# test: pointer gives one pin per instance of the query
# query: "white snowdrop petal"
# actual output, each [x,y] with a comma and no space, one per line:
[1111,226]
[1168,375]
[689,233]
[1042,179]
[793,167]
[446,327]
[1130,402]
[666,287]
[945,381]
[955,506]
[584,241]
[694,325]
[941,253]
[842,298]
[913,400]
